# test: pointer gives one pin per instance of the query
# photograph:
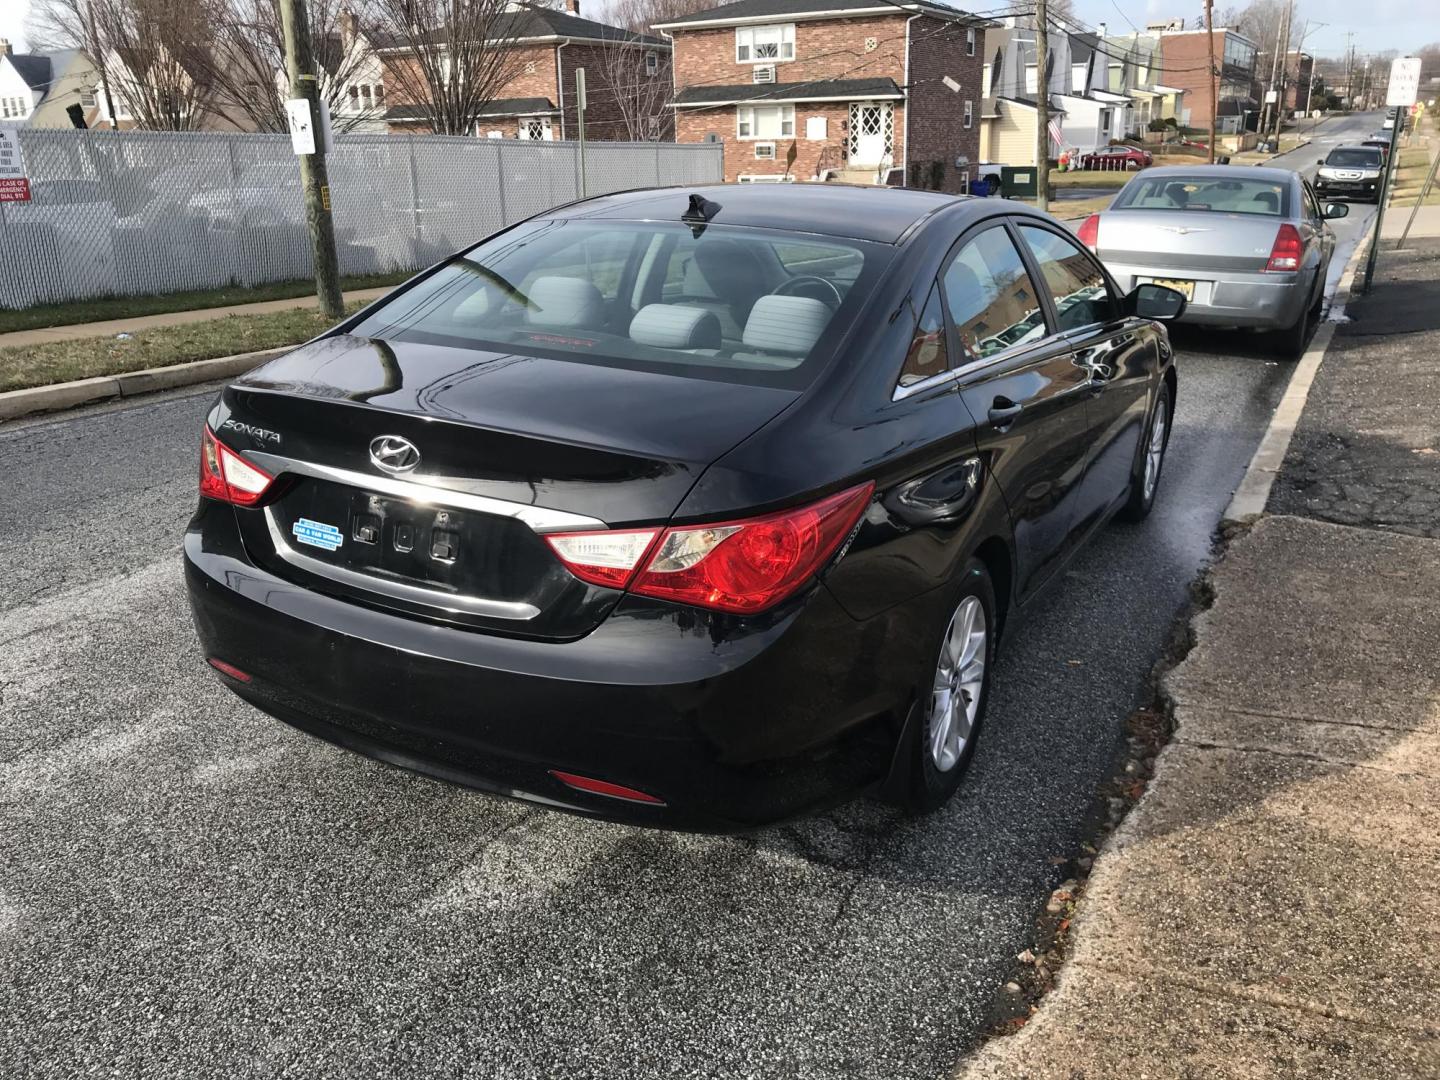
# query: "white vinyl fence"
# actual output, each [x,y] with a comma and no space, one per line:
[135,212]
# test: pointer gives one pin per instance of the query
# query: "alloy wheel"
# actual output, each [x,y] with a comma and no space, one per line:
[1155,452]
[959,679]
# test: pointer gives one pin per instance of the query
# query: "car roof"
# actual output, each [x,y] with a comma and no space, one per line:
[1259,172]
[851,211]
[1351,146]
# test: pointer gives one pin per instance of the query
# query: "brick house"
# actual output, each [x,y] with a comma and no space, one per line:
[1185,57]
[857,87]
[627,81]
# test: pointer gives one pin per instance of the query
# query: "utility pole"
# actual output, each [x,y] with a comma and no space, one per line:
[1287,24]
[580,122]
[1274,68]
[1349,69]
[1042,106]
[300,69]
[1214,75]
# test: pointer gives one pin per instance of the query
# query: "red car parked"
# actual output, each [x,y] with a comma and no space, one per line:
[1117,157]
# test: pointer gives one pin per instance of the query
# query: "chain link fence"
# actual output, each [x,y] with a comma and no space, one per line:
[139,212]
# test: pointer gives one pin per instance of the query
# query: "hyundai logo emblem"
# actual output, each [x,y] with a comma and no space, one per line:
[392,454]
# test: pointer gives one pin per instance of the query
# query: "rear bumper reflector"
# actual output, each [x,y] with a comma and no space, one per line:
[603,787]
[227,669]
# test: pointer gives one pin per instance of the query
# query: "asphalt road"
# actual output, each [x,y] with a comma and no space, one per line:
[192,889]
[1324,136]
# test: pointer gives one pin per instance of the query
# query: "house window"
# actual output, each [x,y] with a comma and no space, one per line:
[970,42]
[969,113]
[764,44]
[87,98]
[355,98]
[765,122]
[379,95]
[652,63]
[985,81]
[1032,79]
[534,128]
[765,151]
[365,97]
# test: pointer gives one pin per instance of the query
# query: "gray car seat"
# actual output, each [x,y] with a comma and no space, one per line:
[565,303]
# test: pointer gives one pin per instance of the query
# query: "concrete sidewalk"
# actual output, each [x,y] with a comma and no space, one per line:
[1265,911]
[111,327]
[1269,909]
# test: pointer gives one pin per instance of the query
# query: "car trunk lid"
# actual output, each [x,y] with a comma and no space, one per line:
[509,447]
[1177,242]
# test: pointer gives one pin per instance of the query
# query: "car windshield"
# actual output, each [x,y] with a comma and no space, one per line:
[1354,158]
[737,304]
[1231,195]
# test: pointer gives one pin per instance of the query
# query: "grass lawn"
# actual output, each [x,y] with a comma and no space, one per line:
[1411,168]
[83,358]
[1073,208]
[126,307]
[1109,178]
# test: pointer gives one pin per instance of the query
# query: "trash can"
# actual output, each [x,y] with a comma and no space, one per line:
[1019,181]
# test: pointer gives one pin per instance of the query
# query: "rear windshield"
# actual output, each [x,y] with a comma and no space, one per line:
[1354,158]
[1232,195]
[738,304]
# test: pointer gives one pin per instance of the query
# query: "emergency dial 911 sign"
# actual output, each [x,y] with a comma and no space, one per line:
[14,184]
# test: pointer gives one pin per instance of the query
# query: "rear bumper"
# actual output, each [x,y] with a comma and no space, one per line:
[732,725]
[1225,298]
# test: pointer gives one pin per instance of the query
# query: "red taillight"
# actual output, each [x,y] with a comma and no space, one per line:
[604,787]
[227,669]
[226,476]
[1089,231]
[736,566]
[1285,255]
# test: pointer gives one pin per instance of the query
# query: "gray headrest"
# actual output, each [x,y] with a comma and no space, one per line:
[564,301]
[675,326]
[789,325]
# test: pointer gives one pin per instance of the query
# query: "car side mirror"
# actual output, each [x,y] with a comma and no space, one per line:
[1337,210]
[1151,301]
[1319,161]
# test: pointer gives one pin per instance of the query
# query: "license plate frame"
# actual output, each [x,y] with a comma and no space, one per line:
[1183,286]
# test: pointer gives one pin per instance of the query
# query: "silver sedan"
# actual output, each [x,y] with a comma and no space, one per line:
[1248,247]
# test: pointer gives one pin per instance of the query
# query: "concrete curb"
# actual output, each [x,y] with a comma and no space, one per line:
[17,403]
[1250,497]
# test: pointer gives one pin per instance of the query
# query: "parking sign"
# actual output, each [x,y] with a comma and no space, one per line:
[1404,81]
[14,184]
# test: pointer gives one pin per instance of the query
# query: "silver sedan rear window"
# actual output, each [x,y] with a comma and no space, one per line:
[1226,194]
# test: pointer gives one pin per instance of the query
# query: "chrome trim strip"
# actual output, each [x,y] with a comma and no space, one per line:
[1004,356]
[417,594]
[425,490]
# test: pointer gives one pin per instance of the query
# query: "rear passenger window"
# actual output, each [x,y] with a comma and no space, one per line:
[928,354]
[1076,284]
[992,301]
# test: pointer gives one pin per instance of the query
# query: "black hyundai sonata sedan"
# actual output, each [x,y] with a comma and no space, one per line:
[697,508]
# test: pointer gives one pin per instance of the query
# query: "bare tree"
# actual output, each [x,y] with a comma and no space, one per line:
[633,87]
[155,54]
[447,58]
[639,16]
[247,64]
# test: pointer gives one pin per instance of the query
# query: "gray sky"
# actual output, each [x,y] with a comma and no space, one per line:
[12,21]
[1378,24]
[1385,24]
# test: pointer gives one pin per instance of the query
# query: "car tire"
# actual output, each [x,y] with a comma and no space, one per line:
[1145,476]
[1289,343]
[938,758]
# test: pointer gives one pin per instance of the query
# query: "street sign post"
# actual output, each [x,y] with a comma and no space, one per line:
[1404,81]
[14,184]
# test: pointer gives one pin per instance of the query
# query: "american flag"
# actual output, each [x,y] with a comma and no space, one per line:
[1057,136]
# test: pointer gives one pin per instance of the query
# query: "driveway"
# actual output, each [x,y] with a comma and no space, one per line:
[193,889]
